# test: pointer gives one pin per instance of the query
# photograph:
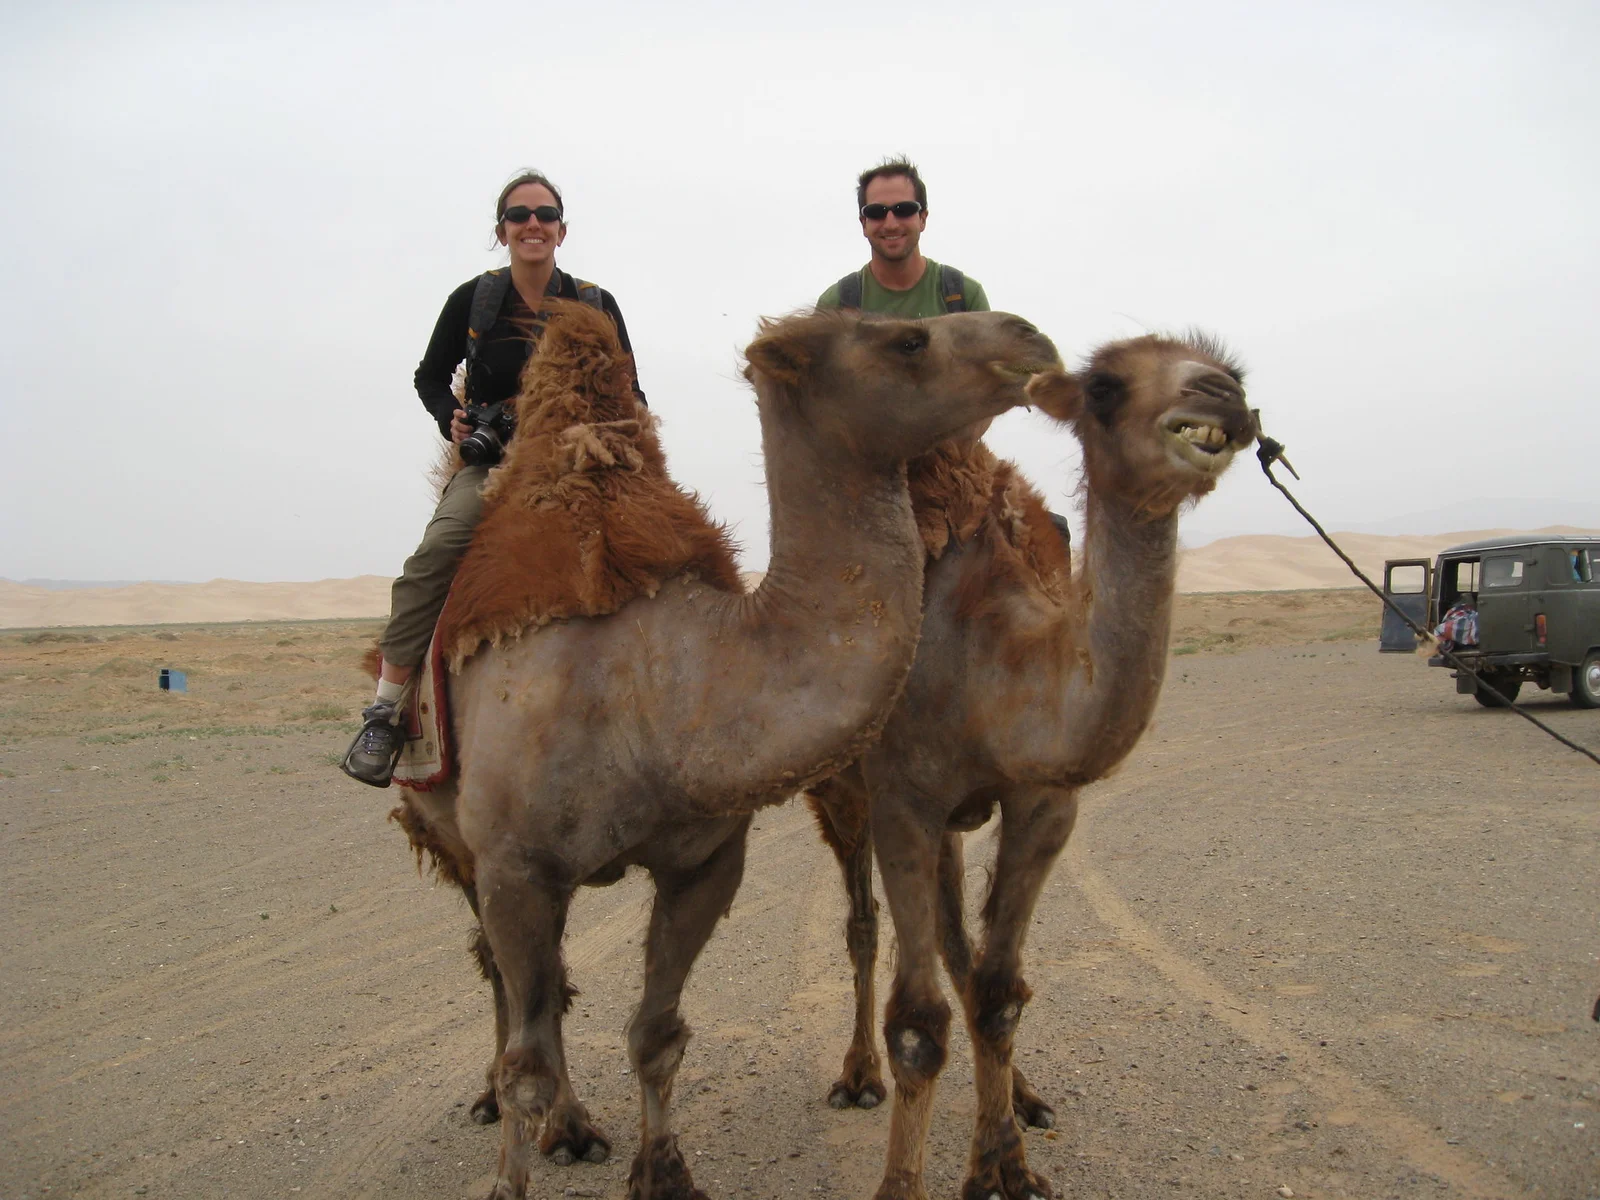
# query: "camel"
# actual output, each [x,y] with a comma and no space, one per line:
[638,715]
[1028,685]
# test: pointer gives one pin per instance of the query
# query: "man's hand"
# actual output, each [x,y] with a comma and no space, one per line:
[458,426]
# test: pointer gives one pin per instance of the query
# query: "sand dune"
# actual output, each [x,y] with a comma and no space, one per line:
[24,607]
[1263,563]
[1256,563]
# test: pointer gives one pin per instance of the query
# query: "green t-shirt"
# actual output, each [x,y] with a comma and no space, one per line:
[922,299]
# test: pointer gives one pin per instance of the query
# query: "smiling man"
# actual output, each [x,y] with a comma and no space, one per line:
[892,204]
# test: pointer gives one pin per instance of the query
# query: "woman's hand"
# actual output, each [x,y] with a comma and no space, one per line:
[458,426]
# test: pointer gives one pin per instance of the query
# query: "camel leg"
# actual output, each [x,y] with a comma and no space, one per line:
[956,947]
[1035,826]
[524,918]
[568,1133]
[840,805]
[688,905]
[916,1021]
[486,1108]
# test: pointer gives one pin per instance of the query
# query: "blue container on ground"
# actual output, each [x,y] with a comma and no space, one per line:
[173,680]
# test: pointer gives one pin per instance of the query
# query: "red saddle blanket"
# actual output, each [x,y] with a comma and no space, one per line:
[428,758]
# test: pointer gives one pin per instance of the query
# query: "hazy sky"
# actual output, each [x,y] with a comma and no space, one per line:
[228,235]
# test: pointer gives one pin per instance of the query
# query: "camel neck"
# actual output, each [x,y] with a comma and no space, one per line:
[1131,565]
[901,275]
[832,630]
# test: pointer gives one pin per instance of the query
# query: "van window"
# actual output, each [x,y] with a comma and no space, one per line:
[1464,573]
[1582,565]
[1503,572]
[1407,580]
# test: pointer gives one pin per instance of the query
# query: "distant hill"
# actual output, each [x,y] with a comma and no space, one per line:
[1267,563]
[70,585]
[24,606]
[1464,514]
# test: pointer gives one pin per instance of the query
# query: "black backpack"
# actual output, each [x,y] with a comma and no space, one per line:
[951,285]
[490,293]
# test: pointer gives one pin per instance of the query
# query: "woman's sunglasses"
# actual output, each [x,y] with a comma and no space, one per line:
[518,214]
[905,210]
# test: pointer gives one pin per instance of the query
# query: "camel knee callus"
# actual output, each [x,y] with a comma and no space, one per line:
[918,1037]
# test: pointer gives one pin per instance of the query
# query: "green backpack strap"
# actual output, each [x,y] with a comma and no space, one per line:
[952,285]
[850,290]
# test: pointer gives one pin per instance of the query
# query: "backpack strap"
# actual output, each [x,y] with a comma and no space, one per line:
[589,293]
[850,290]
[952,285]
[488,294]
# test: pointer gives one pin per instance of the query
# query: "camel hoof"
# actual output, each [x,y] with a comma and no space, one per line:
[1016,1182]
[659,1173]
[1028,1105]
[868,1095]
[486,1109]
[1043,1117]
[586,1144]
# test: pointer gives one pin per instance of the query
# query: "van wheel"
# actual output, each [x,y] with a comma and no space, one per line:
[1507,685]
[1586,683]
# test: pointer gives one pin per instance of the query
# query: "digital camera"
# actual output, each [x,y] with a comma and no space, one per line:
[492,427]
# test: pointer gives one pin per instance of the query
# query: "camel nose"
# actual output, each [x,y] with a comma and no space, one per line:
[1018,325]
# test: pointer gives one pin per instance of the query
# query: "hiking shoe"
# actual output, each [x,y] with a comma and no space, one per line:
[372,755]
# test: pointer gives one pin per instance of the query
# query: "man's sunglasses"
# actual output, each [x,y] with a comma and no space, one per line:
[518,214]
[905,210]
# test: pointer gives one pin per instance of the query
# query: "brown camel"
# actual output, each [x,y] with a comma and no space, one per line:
[1027,685]
[648,733]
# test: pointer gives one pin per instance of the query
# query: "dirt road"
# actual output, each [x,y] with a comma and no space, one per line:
[1333,929]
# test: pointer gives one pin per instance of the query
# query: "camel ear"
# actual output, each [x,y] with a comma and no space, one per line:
[1057,393]
[781,357]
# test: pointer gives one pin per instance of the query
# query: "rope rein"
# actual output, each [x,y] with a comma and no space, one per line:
[1270,451]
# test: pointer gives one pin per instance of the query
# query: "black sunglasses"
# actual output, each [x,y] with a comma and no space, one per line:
[518,214]
[905,210]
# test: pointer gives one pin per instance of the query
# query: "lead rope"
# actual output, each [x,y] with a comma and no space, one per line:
[1270,451]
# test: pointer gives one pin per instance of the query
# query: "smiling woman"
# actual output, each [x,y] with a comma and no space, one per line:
[492,323]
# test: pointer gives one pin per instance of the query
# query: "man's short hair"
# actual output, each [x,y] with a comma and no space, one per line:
[892,166]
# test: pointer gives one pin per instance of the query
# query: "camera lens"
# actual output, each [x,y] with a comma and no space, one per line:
[481,448]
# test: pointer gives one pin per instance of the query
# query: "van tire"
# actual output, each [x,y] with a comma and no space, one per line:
[1586,683]
[1506,684]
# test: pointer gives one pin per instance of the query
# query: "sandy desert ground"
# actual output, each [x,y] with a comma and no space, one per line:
[1333,929]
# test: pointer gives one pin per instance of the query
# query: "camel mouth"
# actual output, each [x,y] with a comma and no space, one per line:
[1011,372]
[1199,443]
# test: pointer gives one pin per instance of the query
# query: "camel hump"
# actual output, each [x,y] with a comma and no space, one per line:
[580,517]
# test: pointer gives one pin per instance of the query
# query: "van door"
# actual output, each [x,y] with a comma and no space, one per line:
[1505,603]
[1406,584]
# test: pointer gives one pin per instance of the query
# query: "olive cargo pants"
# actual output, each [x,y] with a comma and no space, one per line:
[419,594]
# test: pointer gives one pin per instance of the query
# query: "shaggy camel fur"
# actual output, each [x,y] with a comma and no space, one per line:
[1027,686]
[648,737]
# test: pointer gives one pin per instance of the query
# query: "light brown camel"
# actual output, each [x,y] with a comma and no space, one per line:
[648,737]
[1027,685]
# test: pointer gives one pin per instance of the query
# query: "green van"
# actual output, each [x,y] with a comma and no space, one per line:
[1534,600]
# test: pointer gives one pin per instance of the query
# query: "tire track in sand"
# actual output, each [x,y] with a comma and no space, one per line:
[1388,1124]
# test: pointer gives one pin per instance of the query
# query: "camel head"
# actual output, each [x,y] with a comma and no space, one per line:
[1160,418]
[893,389]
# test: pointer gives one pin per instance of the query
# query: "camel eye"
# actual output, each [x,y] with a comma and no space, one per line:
[1106,394]
[913,343]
